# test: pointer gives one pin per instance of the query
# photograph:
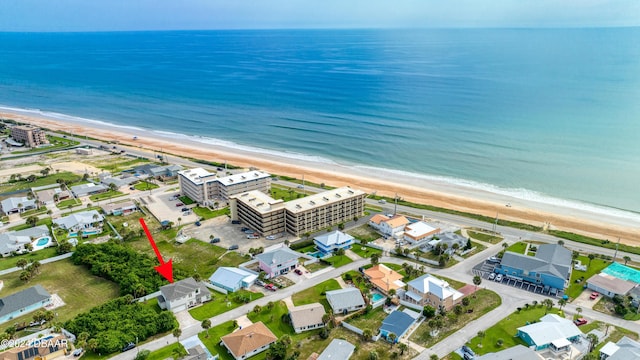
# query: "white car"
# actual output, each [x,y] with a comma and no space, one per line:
[499,278]
[271,237]
[492,276]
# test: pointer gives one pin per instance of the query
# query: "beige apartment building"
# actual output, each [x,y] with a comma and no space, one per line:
[29,135]
[268,216]
[205,188]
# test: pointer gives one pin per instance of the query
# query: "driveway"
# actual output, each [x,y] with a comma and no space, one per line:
[583,300]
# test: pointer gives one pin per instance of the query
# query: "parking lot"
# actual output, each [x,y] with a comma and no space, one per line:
[486,268]
[165,209]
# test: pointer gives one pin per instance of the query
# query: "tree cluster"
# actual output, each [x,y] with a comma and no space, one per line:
[133,272]
[109,327]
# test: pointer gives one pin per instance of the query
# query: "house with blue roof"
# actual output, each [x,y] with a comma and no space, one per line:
[551,266]
[230,279]
[333,241]
[398,323]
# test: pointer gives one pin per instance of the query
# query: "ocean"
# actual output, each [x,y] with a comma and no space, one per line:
[539,114]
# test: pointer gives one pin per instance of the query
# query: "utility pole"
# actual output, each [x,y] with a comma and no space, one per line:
[495,224]
[303,190]
[395,207]
[616,253]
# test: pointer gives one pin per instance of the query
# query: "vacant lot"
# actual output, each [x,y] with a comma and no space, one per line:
[221,303]
[484,236]
[364,233]
[316,294]
[593,267]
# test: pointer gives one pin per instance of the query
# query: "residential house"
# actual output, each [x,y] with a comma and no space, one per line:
[419,231]
[52,348]
[17,204]
[383,278]
[119,181]
[551,266]
[15,241]
[120,208]
[552,331]
[49,194]
[278,262]
[23,302]
[333,241]
[183,294]
[389,226]
[338,349]
[88,189]
[249,341]
[87,221]
[398,323]
[624,349]
[376,220]
[230,279]
[429,290]
[307,317]
[609,285]
[519,352]
[196,353]
[345,300]
[447,239]
[163,172]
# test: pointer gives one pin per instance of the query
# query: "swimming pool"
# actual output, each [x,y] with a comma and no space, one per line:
[622,272]
[88,232]
[43,241]
[377,297]
[317,254]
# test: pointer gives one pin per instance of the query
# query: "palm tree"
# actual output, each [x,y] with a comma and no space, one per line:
[477,280]
[22,263]
[626,259]
[179,220]
[35,265]
[593,341]
[20,206]
[579,310]
[481,335]
[375,258]
[25,276]
[560,242]
[402,347]
[392,292]
[591,257]
[177,333]
[367,334]
[433,357]
[505,245]
[561,303]
[206,324]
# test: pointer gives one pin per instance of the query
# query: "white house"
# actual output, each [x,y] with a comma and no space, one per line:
[419,231]
[307,317]
[345,300]
[15,241]
[17,204]
[388,226]
[182,295]
[85,221]
[230,279]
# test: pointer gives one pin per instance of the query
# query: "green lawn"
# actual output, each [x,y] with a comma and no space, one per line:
[486,237]
[371,320]
[26,214]
[506,329]
[9,262]
[64,204]
[338,260]
[166,352]
[284,193]
[316,294]
[56,143]
[272,318]
[106,195]
[186,200]
[117,163]
[74,284]
[44,221]
[478,247]
[483,302]
[365,251]
[316,266]
[206,213]
[596,266]
[145,185]
[221,303]
[68,177]
[518,247]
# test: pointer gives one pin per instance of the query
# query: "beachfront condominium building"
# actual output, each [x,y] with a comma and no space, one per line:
[205,188]
[269,216]
[29,135]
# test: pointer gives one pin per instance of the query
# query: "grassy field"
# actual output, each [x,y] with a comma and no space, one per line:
[596,266]
[364,233]
[57,143]
[478,248]
[64,204]
[9,262]
[365,251]
[315,266]
[74,284]
[145,185]
[106,195]
[117,163]
[518,247]
[186,200]
[593,241]
[40,211]
[483,236]
[338,260]
[206,213]
[483,302]
[316,294]
[166,352]
[506,329]
[284,193]
[272,318]
[68,177]
[43,221]
[372,320]
[221,303]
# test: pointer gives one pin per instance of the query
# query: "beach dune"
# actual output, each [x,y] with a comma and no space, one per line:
[600,224]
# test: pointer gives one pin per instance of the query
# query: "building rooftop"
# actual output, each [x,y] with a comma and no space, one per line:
[22,299]
[84,189]
[397,322]
[11,203]
[243,177]
[278,256]
[198,175]
[107,208]
[344,298]
[333,238]
[306,315]
[428,283]
[418,229]
[181,289]
[230,276]
[397,221]
[248,339]
[320,199]
[384,278]
[259,201]
[338,349]
[551,327]
[550,259]
[519,352]
[378,218]
[611,283]
[81,218]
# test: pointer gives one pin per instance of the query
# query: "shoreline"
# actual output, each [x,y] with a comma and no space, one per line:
[411,187]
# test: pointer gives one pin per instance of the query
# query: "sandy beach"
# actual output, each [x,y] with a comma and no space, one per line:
[606,224]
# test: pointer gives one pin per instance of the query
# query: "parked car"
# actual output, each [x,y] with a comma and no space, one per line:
[300,186]
[493,260]
[298,271]
[553,292]
[468,356]
[271,287]
[236,222]
[594,295]
[215,240]
[179,204]
[252,236]
[77,352]
[128,347]
[131,188]
[492,276]
[580,321]
[245,229]
[198,223]
[248,231]
[499,277]
[185,209]
[467,350]
[233,247]
[271,237]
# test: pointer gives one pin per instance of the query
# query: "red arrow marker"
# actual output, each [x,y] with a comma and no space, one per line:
[165,269]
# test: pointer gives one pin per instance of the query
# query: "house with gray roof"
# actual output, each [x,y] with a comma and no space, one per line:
[183,294]
[119,181]
[15,241]
[158,171]
[307,317]
[279,261]
[624,349]
[49,195]
[23,302]
[86,221]
[430,290]
[552,331]
[120,208]
[88,189]
[338,349]
[519,352]
[17,204]
[230,279]
[551,266]
[345,300]
[398,323]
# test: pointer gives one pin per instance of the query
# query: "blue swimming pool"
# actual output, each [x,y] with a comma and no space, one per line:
[623,272]
[317,254]
[88,232]
[43,241]
[377,297]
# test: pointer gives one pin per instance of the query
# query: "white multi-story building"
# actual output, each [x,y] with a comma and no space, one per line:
[204,187]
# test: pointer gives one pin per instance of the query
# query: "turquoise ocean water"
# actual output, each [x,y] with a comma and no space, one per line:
[536,113]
